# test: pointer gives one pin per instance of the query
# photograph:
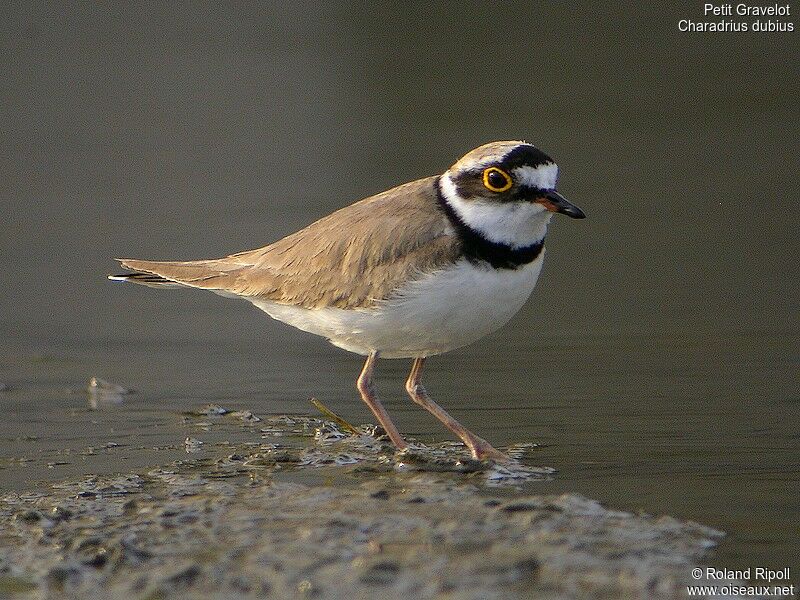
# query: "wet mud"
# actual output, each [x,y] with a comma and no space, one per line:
[246,520]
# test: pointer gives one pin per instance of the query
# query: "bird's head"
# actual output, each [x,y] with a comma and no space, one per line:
[506,191]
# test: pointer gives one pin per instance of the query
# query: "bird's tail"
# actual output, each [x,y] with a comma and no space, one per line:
[148,279]
[216,274]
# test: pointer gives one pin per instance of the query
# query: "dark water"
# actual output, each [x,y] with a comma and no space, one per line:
[657,360]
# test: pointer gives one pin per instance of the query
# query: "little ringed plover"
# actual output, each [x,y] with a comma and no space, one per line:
[412,272]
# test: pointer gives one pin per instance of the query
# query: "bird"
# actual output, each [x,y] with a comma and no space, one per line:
[412,272]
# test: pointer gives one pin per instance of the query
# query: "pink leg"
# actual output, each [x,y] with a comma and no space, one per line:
[367,390]
[480,448]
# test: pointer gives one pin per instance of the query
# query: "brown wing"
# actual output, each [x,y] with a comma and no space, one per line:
[350,259]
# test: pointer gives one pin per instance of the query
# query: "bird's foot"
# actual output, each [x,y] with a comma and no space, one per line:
[483,450]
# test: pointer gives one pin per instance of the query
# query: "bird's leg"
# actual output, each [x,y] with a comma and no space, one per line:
[480,448]
[367,390]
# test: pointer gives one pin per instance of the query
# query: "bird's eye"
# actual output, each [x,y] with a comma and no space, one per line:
[497,180]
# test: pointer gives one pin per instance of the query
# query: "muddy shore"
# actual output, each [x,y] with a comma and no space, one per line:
[429,523]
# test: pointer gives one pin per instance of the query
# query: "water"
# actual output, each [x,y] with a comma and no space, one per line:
[657,360]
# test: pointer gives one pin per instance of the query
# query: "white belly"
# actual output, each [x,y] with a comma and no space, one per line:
[437,313]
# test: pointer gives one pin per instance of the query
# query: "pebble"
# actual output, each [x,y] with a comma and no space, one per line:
[104,394]
[192,444]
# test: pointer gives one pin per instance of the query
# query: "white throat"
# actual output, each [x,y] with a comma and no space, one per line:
[516,224]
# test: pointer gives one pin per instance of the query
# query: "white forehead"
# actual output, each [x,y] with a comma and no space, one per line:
[543,177]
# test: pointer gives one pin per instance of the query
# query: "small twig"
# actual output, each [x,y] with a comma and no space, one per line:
[333,416]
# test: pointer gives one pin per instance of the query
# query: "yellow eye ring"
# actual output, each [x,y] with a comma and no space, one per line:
[494,176]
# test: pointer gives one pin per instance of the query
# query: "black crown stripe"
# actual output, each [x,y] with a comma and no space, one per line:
[478,249]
